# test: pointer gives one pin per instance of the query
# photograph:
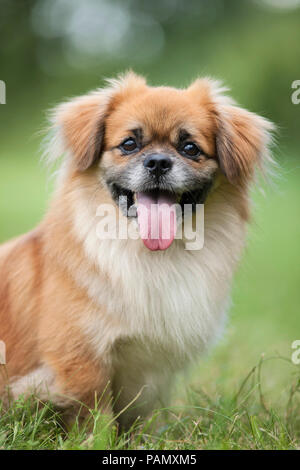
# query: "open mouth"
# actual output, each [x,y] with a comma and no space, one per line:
[157,211]
[127,198]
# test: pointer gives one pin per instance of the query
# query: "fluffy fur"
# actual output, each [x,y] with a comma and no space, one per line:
[82,316]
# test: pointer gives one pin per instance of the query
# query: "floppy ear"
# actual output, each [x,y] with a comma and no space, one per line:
[242,138]
[79,125]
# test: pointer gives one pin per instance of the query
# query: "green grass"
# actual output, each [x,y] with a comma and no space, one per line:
[246,393]
[205,419]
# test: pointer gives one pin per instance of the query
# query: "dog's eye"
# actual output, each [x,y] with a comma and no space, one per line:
[129,145]
[191,150]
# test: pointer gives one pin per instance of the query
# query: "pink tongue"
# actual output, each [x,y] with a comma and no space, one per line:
[157,219]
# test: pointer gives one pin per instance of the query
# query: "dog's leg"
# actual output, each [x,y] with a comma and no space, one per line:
[75,386]
[81,384]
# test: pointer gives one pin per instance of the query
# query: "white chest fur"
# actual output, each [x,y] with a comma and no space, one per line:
[157,310]
[174,299]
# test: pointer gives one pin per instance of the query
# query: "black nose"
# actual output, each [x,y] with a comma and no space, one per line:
[158,164]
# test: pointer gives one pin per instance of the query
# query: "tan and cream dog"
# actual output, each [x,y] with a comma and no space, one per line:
[82,315]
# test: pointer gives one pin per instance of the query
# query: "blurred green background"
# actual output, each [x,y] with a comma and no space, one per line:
[54,49]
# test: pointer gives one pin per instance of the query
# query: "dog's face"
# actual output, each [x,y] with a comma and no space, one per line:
[161,146]
[157,142]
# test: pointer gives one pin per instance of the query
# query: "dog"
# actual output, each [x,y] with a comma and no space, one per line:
[84,316]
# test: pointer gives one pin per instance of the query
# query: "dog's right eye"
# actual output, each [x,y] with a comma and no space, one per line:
[129,145]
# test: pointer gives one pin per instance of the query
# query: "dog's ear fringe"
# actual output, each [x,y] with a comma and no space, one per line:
[214,94]
[248,139]
[265,132]
[55,146]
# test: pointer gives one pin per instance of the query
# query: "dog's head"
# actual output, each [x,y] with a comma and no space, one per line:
[158,145]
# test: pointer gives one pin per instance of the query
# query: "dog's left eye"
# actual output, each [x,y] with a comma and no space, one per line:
[191,150]
[129,145]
